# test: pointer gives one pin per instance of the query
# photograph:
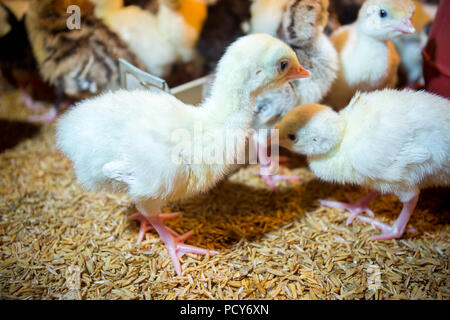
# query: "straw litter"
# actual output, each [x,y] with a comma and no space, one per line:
[60,242]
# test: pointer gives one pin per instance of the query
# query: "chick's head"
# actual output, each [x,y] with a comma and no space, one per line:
[311,129]
[386,19]
[260,62]
[302,21]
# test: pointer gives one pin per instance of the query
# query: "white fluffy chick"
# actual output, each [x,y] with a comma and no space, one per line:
[124,140]
[368,59]
[159,40]
[396,142]
[301,27]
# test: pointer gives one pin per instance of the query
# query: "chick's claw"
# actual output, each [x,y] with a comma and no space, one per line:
[48,117]
[389,232]
[356,208]
[272,179]
[172,240]
[146,226]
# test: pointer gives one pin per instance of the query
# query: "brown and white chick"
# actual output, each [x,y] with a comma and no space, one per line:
[125,140]
[159,39]
[301,27]
[396,142]
[368,59]
[79,62]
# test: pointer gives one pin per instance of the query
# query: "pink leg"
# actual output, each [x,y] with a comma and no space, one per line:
[356,208]
[30,103]
[47,117]
[267,167]
[146,226]
[398,228]
[172,240]
[36,106]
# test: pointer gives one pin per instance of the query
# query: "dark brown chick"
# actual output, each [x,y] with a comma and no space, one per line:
[80,62]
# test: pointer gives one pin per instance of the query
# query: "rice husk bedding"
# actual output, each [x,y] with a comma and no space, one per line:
[59,242]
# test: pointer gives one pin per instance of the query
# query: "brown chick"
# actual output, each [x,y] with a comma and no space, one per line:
[79,62]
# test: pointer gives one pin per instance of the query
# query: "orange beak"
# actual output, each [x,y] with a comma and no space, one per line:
[406,26]
[297,72]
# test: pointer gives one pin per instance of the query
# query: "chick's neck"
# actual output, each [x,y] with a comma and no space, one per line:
[232,101]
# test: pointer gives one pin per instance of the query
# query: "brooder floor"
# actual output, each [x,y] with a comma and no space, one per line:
[60,242]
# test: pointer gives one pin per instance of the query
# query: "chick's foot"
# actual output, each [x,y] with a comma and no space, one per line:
[47,117]
[356,208]
[272,179]
[28,101]
[398,228]
[146,226]
[173,241]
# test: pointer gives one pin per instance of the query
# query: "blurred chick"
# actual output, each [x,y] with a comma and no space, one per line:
[18,69]
[301,27]
[342,12]
[15,54]
[396,142]
[79,62]
[266,15]
[160,39]
[134,149]
[223,25]
[410,46]
[368,59]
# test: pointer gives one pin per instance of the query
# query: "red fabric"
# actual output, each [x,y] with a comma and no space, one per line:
[436,55]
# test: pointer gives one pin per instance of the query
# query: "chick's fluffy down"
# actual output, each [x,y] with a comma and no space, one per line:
[116,142]
[405,142]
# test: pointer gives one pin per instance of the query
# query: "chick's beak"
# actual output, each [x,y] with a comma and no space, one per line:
[297,72]
[406,26]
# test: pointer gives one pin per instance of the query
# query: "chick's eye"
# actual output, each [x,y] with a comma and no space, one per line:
[283,65]
[292,137]
[383,13]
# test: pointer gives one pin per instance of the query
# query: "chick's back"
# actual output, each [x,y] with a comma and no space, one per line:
[399,137]
[122,141]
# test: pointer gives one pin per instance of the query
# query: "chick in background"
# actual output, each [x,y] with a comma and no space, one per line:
[395,142]
[301,27]
[409,46]
[80,62]
[132,148]
[368,59]
[158,39]
[223,26]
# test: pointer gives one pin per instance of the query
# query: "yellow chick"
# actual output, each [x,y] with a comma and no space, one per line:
[368,59]
[125,140]
[160,39]
[266,15]
[395,142]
